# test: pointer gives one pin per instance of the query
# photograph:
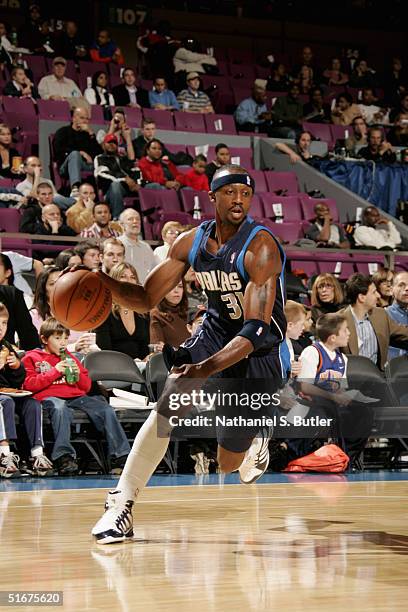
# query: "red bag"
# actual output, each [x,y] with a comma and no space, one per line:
[328,458]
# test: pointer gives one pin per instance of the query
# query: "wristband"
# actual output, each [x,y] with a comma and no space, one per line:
[256,331]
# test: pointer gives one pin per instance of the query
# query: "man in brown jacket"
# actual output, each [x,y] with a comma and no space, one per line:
[371,329]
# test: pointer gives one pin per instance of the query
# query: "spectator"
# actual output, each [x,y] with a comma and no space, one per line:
[251,114]
[402,108]
[279,80]
[358,137]
[168,321]
[121,130]
[19,321]
[169,233]
[46,379]
[8,167]
[52,224]
[106,50]
[295,315]
[398,310]
[305,339]
[316,111]
[192,99]
[98,93]
[137,252]
[301,151]
[75,147]
[6,48]
[324,232]
[327,295]
[186,60]
[196,178]
[222,157]
[287,113]
[80,215]
[162,98]
[32,212]
[116,176]
[195,320]
[127,94]
[57,86]
[20,85]
[345,110]
[334,75]
[29,34]
[378,149]
[33,169]
[125,330]
[375,231]
[307,60]
[371,112]
[70,44]
[147,133]
[12,267]
[398,135]
[305,79]
[195,294]
[372,330]
[88,251]
[112,254]
[362,75]
[383,281]
[395,81]
[67,259]
[158,173]
[103,227]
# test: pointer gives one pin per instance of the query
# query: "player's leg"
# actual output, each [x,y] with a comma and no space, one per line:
[229,461]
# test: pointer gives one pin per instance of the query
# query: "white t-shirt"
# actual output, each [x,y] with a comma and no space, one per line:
[310,361]
[20,264]
[160,253]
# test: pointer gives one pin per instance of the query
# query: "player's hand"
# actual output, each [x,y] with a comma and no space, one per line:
[191,370]
[13,362]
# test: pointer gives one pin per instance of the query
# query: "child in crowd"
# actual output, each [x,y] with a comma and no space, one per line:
[47,371]
[196,178]
[295,314]
[12,374]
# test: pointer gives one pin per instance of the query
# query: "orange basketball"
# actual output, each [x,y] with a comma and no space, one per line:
[80,300]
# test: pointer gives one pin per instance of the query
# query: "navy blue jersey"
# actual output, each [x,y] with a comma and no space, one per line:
[329,371]
[224,279]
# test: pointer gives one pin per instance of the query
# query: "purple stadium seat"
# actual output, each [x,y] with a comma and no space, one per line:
[401,264]
[37,65]
[221,82]
[282,181]
[175,148]
[89,68]
[6,183]
[338,132]
[114,70]
[97,114]
[146,84]
[193,150]
[162,118]
[260,182]
[22,106]
[242,156]
[242,71]
[339,264]
[10,222]
[240,56]
[57,110]
[240,92]
[257,210]
[189,122]
[20,113]
[188,201]
[222,67]
[310,268]
[133,116]
[290,206]
[307,204]
[368,264]
[182,217]
[219,124]
[288,232]
[262,72]
[165,200]
[319,130]
[115,80]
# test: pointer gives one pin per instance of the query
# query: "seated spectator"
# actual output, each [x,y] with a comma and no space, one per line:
[122,131]
[8,167]
[116,176]
[375,231]
[159,173]
[195,320]
[279,80]
[12,266]
[394,81]
[52,223]
[306,338]
[46,371]
[295,315]
[186,59]
[307,59]
[102,227]
[196,296]
[305,80]
[28,187]
[112,254]
[20,85]
[324,232]
[29,34]
[378,149]
[372,330]
[316,111]
[98,93]
[398,135]
[287,114]
[80,215]
[401,108]
[127,94]
[57,86]
[88,251]
[168,321]
[75,147]
[192,99]
[125,330]
[362,75]
[169,233]
[19,321]
[106,50]
[196,178]
[147,133]
[137,252]
[32,212]
[301,151]
[334,75]
[358,137]
[383,281]
[70,44]
[327,295]
[369,110]
[251,114]
[162,98]
[222,157]
[6,48]
[398,309]
[67,259]
[345,110]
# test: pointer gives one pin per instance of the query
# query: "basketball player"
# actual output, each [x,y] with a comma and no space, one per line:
[240,265]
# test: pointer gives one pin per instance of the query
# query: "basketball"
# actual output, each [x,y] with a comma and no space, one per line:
[80,300]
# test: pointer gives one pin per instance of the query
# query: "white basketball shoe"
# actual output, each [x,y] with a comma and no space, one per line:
[116,524]
[256,459]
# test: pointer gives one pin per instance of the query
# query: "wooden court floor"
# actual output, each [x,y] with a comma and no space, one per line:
[317,546]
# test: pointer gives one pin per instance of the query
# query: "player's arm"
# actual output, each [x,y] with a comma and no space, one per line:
[263,265]
[162,279]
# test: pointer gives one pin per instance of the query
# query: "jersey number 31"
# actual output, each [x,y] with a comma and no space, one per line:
[235,303]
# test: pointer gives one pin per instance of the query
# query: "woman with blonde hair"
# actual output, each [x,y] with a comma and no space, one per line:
[169,233]
[327,295]
[124,330]
[383,280]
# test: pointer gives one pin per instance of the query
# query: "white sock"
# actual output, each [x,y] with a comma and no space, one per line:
[147,451]
[5,450]
[37,451]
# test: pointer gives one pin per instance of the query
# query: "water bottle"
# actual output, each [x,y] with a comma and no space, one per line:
[13,37]
[71,375]
[196,209]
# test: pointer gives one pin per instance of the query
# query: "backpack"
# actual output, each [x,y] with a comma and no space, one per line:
[328,458]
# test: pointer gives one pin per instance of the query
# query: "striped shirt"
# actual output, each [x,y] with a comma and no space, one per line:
[367,340]
[193,101]
[94,231]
